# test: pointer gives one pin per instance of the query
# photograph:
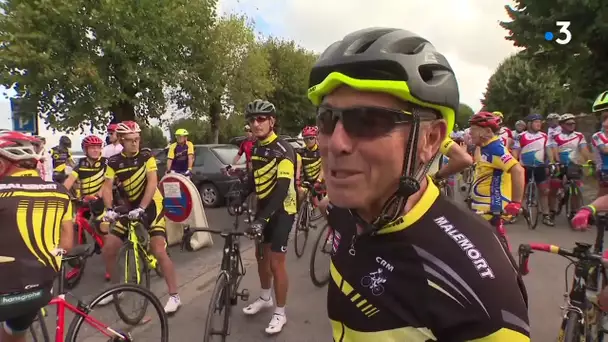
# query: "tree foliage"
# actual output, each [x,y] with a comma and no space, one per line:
[75,62]
[200,130]
[521,86]
[463,115]
[153,137]
[581,62]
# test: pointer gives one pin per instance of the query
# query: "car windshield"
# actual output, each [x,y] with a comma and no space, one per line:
[226,154]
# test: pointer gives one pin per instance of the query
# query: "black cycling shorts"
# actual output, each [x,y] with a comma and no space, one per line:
[19,310]
[540,173]
[276,232]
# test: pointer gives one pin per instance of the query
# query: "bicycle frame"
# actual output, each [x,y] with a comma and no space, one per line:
[85,224]
[133,239]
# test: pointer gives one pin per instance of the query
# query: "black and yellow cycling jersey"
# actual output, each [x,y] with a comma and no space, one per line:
[437,273]
[311,163]
[132,172]
[61,156]
[31,212]
[274,159]
[91,174]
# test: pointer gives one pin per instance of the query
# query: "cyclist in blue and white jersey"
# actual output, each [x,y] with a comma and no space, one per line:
[553,127]
[533,156]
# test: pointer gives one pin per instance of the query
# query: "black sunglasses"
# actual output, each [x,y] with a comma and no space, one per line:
[361,122]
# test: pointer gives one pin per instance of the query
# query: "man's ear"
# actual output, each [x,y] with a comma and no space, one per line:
[432,135]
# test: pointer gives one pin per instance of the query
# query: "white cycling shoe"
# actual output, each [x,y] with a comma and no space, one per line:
[108,299]
[258,306]
[173,304]
[276,324]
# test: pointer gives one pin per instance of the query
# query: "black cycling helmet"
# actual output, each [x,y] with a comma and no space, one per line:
[65,141]
[260,107]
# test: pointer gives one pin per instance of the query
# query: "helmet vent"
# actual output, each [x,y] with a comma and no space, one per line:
[434,74]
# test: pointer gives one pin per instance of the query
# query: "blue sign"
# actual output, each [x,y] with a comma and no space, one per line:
[23,122]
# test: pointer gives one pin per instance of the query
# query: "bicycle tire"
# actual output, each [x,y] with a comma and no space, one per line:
[574,191]
[220,295]
[43,329]
[321,239]
[128,250]
[571,331]
[76,323]
[531,213]
[301,227]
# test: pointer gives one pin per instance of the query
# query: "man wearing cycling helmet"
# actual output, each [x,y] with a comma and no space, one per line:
[498,183]
[89,170]
[534,155]
[399,268]
[180,157]
[62,159]
[505,134]
[113,147]
[246,147]
[570,151]
[28,263]
[599,140]
[274,166]
[310,158]
[136,170]
[553,126]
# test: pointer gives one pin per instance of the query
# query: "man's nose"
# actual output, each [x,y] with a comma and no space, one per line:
[340,142]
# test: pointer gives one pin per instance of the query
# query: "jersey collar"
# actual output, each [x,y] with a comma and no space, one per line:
[270,138]
[314,148]
[25,173]
[494,138]
[420,208]
[124,155]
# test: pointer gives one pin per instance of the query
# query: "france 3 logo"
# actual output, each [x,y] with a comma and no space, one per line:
[563,36]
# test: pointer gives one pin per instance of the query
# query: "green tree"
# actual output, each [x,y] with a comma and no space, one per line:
[198,130]
[521,86]
[153,137]
[464,114]
[77,62]
[225,74]
[579,63]
[289,71]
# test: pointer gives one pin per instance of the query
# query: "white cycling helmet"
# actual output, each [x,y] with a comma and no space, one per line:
[566,117]
[17,146]
[553,116]
[127,127]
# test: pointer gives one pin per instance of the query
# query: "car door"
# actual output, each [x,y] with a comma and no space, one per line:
[161,162]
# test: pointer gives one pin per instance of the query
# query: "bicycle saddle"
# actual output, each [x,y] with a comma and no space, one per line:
[78,251]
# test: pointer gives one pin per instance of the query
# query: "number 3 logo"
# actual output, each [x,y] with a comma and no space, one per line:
[563,29]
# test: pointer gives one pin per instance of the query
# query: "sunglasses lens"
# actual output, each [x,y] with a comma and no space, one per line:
[361,122]
[326,120]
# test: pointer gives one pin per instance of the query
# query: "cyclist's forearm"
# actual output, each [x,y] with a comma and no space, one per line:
[69,182]
[190,161]
[148,194]
[169,164]
[275,202]
[234,160]
[107,195]
[518,177]
[458,161]
[601,203]
[66,241]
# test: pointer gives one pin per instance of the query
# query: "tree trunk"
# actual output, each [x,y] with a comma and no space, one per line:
[214,119]
[123,111]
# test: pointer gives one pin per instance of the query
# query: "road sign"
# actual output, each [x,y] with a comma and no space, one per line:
[22,120]
[177,199]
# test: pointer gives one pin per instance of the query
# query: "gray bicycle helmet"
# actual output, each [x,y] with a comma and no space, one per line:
[553,116]
[566,117]
[520,122]
[260,107]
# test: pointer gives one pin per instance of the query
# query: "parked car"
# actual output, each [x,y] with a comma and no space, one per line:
[209,160]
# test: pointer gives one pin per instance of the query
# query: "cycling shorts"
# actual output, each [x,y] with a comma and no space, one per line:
[154,221]
[540,173]
[276,232]
[571,172]
[19,310]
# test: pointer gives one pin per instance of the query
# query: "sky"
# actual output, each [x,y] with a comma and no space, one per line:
[465,31]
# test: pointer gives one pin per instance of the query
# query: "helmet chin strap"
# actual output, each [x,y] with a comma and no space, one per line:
[409,183]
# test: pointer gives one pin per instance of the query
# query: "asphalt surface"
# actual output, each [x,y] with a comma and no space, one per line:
[306,310]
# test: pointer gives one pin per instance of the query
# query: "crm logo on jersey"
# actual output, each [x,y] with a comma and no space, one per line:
[506,158]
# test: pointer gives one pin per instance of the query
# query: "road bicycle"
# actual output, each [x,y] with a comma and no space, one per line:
[582,317]
[84,224]
[307,214]
[570,192]
[138,259]
[324,247]
[82,310]
[239,196]
[498,222]
[226,292]
[531,200]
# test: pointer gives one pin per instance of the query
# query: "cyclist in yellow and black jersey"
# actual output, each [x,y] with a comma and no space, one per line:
[90,170]
[309,158]
[36,218]
[137,172]
[407,264]
[62,158]
[273,165]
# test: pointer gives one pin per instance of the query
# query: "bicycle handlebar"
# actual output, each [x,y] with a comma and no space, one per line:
[579,252]
[189,231]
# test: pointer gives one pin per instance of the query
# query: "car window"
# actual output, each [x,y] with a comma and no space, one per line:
[199,156]
[226,154]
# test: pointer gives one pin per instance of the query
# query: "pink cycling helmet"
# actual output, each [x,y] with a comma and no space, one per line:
[310,131]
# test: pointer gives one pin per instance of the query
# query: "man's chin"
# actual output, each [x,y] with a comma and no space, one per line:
[348,199]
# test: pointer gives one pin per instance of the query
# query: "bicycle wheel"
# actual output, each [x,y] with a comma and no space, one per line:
[38,329]
[531,212]
[219,303]
[323,247]
[149,297]
[134,271]
[301,231]
[574,193]
[571,328]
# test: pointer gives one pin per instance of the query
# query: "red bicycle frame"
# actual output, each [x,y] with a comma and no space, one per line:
[83,224]
[62,305]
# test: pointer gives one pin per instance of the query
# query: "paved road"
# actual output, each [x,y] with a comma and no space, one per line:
[306,304]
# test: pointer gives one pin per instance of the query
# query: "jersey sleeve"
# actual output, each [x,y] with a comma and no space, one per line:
[110,172]
[151,165]
[171,153]
[446,145]
[596,141]
[68,215]
[551,142]
[190,148]
[502,159]
[583,141]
